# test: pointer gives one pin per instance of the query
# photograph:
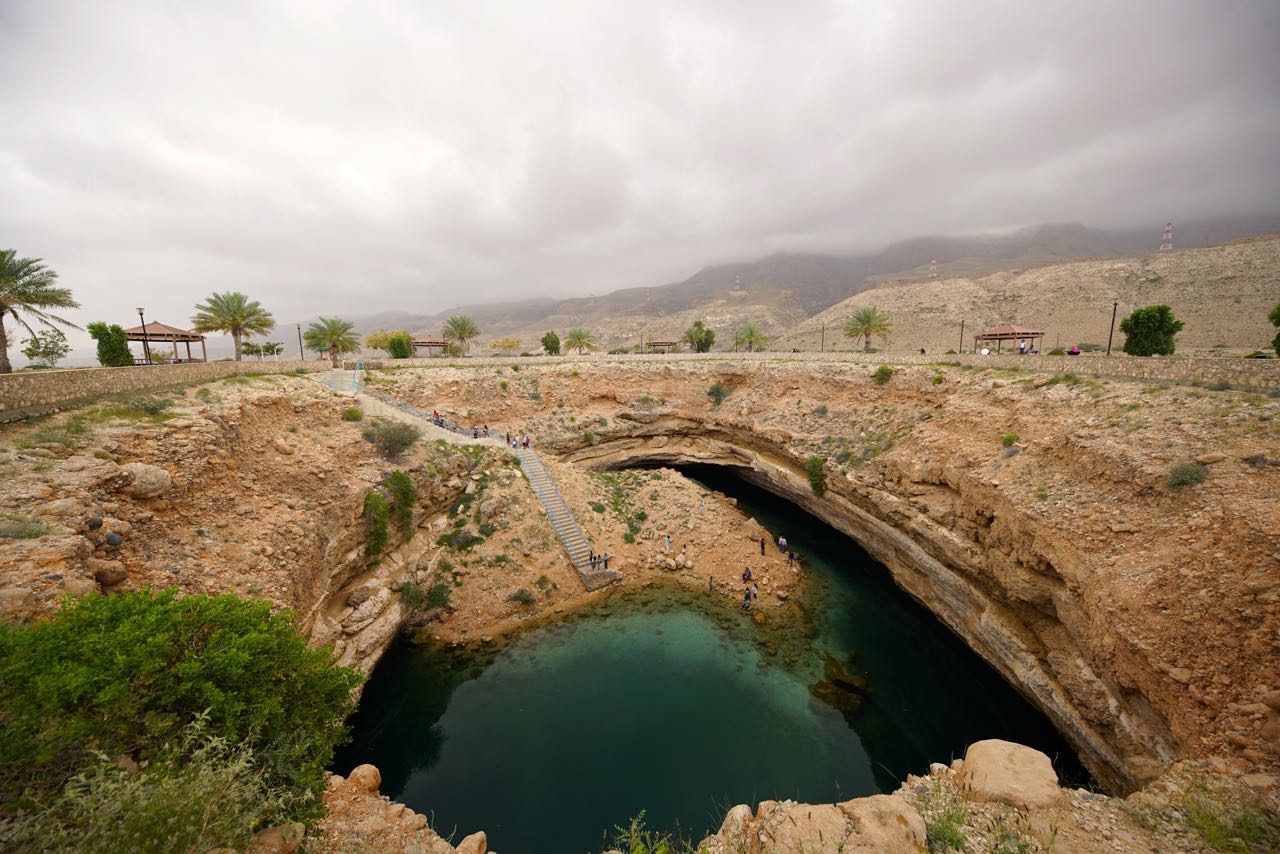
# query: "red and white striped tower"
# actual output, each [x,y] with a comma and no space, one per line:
[933,268]
[1166,242]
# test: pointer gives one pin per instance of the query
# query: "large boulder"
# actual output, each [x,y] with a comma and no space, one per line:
[147,481]
[811,828]
[1014,774]
[281,839]
[366,777]
[885,824]
[476,843]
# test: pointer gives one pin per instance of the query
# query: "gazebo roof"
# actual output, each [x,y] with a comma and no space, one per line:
[160,332]
[430,342]
[1010,331]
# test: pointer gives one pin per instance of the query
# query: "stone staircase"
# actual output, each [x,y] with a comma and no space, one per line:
[351,384]
[561,518]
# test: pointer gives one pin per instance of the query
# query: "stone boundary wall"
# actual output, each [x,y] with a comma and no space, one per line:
[36,392]
[1256,374]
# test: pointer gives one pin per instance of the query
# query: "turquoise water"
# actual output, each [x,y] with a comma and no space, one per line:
[669,704]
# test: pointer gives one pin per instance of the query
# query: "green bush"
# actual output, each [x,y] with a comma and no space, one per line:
[352,413]
[717,394]
[113,346]
[439,594]
[882,375]
[201,793]
[1150,331]
[1009,439]
[1185,474]
[588,437]
[400,346]
[128,673]
[22,528]
[597,506]
[503,385]
[404,497]
[487,529]
[142,403]
[937,379]
[376,514]
[523,596]
[459,540]
[391,438]
[816,467]
[820,410]
[1057,351]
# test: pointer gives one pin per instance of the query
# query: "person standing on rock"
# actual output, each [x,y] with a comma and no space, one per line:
[746,574]
[606,561]
[782,543]
[762,545]
[746,600]
[667,541]
[791,558]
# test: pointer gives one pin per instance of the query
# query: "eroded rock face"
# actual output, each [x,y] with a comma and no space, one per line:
[881,824]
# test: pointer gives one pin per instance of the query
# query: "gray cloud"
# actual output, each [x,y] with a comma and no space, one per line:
[342,158]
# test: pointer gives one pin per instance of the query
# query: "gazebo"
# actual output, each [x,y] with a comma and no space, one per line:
[153,333]
[430,344]
[665,346]
[1008,332]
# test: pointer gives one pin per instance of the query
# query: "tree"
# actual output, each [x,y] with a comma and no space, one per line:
[399,345]
[581,339]
[333,335]
[234,313]
[1149,331]
[272,348]
[699,337]
[26,286]
[47,348]
[505,345]
[750,337]
[551,344]
[867,322]
[380,340]
[248,348]
[1274,317]
[113,346]
[461,330]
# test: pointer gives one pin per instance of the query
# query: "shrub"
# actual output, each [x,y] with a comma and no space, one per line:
[1229,816]
[937,379]
[535,395]
[588,437]
[882,375]
[503,385]
[246,668]
[400,346]
[1057,351]
[201,793]
[717,394]
[1149,331]
[1185,474]
[352,413]
[1008,439]
[149,405]
[523,596]
[597,506]
[22,528]
[820,410]
[376,513]
[949,353]
[404,496]
[459,540]
[645,400]
[391,438]
[487,529]
[945,815]
[816,467]
[439,594]
[113,346]
[550,344]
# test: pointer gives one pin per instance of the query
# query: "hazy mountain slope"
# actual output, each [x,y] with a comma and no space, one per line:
[1222,293]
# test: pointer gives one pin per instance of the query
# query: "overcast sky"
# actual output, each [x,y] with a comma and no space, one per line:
[350,158]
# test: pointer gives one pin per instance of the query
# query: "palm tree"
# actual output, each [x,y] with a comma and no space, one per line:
[866,322]
[750,336]
[26,285]
[699,337]
[461,330]
[332,334]
[581,339]
[234,313]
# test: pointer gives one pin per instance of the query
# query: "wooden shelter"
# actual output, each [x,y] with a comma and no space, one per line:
[158,333]
[1008,332]
[664,346]
[430,344]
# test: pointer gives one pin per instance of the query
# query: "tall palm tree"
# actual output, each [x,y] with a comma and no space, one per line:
[581,339]
[751,337]
[699,337]
[866,322]
[461,330]
[333,334]
[26,285]
[234,313]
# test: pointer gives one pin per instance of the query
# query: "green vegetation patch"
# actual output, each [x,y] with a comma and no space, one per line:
[391,438]
[352,413]
[882,375]
[815,466]
[1185,474]
[376,513]
[22,528]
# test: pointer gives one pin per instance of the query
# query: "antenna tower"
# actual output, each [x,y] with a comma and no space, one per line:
[1166,242]
[933,268]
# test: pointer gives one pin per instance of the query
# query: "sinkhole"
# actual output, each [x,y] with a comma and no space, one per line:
[664,701]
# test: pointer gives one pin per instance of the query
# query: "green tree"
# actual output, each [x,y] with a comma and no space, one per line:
[551,344]
[461,330]
[234,313]
[47,348]
[1274,317]
[699,337]
[867,322]
[333,335]
[749,336]
[248,348]
[581,339]
[272,348]
[113,346]
[237,662]
[399,345]
[27,287]
[1149,331]
[381,340]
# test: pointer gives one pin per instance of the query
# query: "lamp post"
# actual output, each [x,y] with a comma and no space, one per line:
[302,354]
[961,350]
[1114,306]
[146,350]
